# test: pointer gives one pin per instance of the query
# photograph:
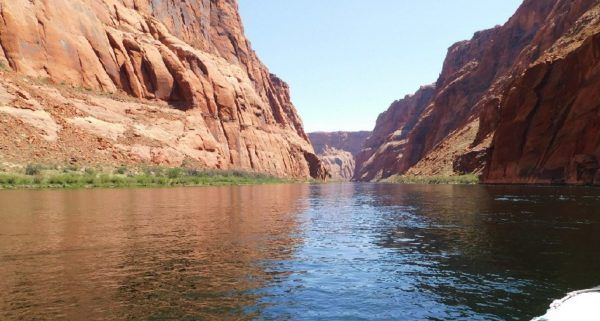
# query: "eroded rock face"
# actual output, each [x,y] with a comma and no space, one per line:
[384,149]
[339,163]
[338,151]
[483,88]
[222,108]
[349,141]
[549,122]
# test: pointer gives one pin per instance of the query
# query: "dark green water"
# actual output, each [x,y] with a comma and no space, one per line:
[296,252]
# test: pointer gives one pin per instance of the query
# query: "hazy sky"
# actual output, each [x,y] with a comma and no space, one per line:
[347,60]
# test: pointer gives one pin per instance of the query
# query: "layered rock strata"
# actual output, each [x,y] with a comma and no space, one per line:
[339,163]
[508,104]
[201,95]
[338,150]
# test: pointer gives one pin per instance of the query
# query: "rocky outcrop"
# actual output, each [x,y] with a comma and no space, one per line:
[339,163]
[349,141]
[549,121]
[202,95]
[484,108]
[338,151]
[384,149]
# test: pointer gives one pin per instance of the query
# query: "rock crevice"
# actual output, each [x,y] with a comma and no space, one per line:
[190,56]
[506,104]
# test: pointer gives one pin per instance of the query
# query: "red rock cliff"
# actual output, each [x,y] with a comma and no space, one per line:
[204,97]
[349,141]
[548,127]
[338,151]
[474,96]
[339,163]
[384,149]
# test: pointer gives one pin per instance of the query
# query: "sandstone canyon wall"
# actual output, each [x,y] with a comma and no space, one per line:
[338,151]
[139,81]
[548,123]
[517,104]
[349,141]
[340,164]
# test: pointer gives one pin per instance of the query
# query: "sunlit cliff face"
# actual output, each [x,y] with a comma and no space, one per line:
[200,94]
[508,104]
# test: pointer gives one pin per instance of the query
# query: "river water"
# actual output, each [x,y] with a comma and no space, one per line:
[296,252]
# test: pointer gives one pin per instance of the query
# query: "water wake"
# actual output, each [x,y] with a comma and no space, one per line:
[579,305]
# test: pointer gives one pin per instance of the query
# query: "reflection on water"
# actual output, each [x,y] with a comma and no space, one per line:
[138,254]
[296,252]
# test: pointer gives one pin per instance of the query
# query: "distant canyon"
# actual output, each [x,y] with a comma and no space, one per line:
[170,83]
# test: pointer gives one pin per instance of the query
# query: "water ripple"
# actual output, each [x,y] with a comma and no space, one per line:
[296,252]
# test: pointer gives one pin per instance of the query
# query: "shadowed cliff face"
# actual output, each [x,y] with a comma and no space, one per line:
[549,122]
[349,141]
[190,56]
[384,149]
[456,123]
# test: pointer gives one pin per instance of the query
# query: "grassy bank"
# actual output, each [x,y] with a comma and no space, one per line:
[37,176]
[439,180]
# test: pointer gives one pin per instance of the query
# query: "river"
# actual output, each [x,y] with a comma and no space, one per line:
[296,252]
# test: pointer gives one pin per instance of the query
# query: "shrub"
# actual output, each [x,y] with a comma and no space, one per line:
[154,171]
[33,169]
[70,168]
[193,172]
[468,179]
[90,180]
[173,173]
[71,176]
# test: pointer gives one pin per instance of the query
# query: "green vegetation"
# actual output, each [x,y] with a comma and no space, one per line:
[32,169]
[469,179]
[38,176]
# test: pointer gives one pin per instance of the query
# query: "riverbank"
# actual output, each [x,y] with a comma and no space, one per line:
[470,179]
[39,176]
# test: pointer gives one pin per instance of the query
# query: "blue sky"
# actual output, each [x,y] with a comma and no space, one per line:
[347,60]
